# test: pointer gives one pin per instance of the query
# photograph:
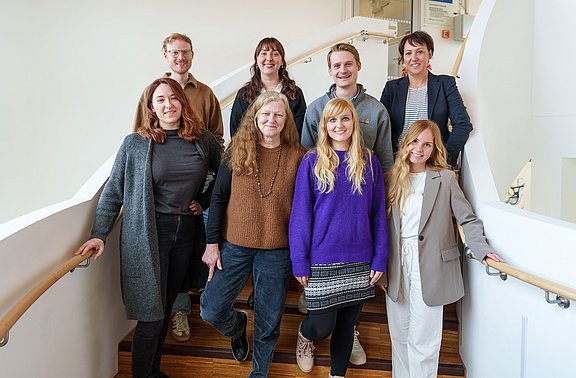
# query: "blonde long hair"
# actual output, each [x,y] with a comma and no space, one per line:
[241,154]
[399,178]
[327,159]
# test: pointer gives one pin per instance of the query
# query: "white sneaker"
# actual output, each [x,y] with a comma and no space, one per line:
[304,353]
[335,376]
[180,327]
[302,303]
[358,355]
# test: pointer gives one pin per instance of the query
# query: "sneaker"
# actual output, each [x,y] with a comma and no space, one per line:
[358,355]
[239,345]
[180,327]
[335,376]
[302,303]
[304,353]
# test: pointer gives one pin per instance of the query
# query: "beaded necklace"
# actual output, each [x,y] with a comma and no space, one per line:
[257,174]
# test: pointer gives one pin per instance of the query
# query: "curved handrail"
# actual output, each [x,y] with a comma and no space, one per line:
[36,292]
[563,293]
[459,57]
[227,100]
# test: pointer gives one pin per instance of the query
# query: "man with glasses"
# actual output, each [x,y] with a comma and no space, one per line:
[178,52]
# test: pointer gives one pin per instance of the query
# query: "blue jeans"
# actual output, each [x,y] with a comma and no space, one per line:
[270,271]
[176,239]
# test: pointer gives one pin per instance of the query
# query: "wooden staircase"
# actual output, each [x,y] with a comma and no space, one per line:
[207,353]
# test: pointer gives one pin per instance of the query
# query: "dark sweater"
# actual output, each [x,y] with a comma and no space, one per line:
[297,106]
[178,174]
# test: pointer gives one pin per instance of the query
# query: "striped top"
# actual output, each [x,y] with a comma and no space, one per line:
[416,108]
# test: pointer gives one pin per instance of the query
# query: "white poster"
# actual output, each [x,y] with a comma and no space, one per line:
[439,12]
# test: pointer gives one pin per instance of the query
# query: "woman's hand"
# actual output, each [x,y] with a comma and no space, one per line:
[375,276]
[303,280]
[96,244]
[211,258]
[492,256]
[383,288]
[196,208]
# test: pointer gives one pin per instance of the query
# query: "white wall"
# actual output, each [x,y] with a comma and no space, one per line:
[446,50]
[553,100]
[72,73]
[74,328]
[77,325]
[508,330]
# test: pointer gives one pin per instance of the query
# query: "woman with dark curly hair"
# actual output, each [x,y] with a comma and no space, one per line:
[268,74]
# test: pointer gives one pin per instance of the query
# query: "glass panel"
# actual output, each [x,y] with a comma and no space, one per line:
[397,10]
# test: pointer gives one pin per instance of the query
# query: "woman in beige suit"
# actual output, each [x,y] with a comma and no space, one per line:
[424,266]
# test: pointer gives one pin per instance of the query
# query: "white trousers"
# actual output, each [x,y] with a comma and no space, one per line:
[415,328]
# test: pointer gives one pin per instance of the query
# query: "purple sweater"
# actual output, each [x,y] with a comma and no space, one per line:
[340,226]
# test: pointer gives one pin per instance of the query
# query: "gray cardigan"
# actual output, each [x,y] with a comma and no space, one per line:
[130,186]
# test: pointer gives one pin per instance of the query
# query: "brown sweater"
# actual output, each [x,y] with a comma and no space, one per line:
[262,223]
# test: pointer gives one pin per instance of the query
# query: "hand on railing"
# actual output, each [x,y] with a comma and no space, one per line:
[95,244]
[492,256]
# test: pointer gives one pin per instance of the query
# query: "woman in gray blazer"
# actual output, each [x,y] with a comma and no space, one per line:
[424,266]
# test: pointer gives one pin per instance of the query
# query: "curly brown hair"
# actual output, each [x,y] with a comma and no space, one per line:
[241,153]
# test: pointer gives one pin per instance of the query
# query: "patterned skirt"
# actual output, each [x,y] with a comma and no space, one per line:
[332,286]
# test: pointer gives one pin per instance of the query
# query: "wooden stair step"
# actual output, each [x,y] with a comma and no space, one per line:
[202,367]
[373,311]
[208,343]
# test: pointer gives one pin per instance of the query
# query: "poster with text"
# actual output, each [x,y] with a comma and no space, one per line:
[439,12]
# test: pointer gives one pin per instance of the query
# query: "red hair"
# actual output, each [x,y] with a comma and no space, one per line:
[190,125]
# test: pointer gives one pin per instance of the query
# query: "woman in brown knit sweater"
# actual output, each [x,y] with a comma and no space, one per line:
[247,230]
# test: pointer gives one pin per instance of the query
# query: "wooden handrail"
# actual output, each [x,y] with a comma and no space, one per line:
[299,58]
[36,292]
[458,60]
[531,279]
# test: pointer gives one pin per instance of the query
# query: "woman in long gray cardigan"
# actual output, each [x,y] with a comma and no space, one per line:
[158,177]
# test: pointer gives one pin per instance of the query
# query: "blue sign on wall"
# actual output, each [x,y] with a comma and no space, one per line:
[443,1]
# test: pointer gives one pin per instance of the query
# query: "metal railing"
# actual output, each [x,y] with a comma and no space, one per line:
[305,57]
[563,293]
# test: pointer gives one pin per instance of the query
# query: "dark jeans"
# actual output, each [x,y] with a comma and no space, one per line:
[340,323]
[270,271]
[176,238]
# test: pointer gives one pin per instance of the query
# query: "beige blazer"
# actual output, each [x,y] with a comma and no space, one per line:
[440,271]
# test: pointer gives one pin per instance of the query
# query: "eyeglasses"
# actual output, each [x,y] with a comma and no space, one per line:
[175,53]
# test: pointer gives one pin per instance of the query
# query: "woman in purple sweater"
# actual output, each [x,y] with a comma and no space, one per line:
[338,234]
